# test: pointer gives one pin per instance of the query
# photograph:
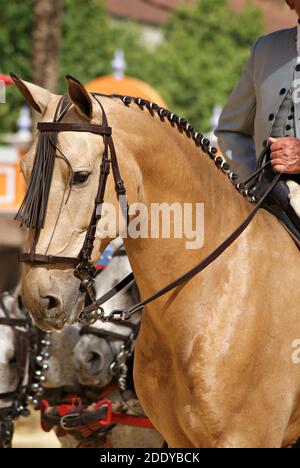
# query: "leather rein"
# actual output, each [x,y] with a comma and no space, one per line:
[83,269]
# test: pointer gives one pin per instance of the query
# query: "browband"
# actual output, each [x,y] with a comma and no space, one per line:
[73,127]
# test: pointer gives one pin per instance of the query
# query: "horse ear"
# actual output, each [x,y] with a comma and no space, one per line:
[36,96]
[80,97]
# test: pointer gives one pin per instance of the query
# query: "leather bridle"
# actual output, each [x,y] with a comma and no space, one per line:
[83,269]
[25,341]
[119,366]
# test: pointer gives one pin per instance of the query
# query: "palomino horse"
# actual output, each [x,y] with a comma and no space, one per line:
[213,365]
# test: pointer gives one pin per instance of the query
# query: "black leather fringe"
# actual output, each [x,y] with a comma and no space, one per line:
[32,211]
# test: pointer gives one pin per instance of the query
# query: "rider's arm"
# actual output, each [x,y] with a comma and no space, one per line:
[236,125]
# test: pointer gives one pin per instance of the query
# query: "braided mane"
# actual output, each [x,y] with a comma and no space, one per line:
[200,140]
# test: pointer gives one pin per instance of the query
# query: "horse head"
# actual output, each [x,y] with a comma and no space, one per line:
[60,201]
[96,351]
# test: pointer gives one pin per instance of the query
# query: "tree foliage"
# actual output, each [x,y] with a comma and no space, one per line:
[196,66]
[89,40]
[15,46]
[202,56]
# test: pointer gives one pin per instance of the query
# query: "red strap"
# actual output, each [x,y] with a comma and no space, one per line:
[67,409]
[115,418]
[134,421]
[44,405]
[111,418]
[121,418]
[107,420]
[62,410]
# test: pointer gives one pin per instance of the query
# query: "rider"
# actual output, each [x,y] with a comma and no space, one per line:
[264,107]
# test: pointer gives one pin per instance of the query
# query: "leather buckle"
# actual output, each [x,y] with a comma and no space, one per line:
[66,419]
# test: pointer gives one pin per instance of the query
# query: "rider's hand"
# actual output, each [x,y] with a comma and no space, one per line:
[285,155]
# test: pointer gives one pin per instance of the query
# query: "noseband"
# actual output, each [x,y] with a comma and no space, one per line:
[33,209]
[25,361]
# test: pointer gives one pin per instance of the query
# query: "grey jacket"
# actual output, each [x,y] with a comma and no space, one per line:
[247,118]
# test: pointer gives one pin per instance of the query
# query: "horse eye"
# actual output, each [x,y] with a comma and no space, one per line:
[80,177]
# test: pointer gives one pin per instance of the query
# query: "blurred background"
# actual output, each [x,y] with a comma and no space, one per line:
[184,54]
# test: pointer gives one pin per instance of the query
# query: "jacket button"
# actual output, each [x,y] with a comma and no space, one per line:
[282,91]
[271,116]
[290,117]
[288,127]
[297,67]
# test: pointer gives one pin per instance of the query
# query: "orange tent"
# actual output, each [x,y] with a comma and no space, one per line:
[127,86]
[7,79]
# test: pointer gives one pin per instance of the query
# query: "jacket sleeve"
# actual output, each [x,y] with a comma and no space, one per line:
[235,129]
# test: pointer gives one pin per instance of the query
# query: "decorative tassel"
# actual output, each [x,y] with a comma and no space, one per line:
[32,211]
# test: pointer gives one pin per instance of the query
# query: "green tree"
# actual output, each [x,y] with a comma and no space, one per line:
[89,38]
[86,47]
[15,46]
[45,39]
[202,56]
[196,66]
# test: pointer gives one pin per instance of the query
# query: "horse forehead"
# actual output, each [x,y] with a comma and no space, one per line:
[79,147]
[89,342]
[65,340]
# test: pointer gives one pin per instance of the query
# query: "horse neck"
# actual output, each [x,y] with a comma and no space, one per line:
[169,167]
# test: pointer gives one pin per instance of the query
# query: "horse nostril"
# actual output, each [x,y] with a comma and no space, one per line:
[53,303]
[92,357]
[92,362]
